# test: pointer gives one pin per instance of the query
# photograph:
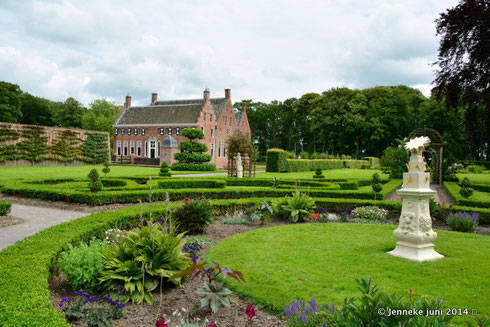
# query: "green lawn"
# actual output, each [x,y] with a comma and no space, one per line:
[476,178]
[10,173]
[348,174]
[322,261]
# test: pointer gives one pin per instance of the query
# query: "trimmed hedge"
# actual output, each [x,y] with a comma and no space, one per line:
[473,201]
[276,161]
[354,185]
[296,165]
[5,207]
[194,166]
[113,182]
[194,183]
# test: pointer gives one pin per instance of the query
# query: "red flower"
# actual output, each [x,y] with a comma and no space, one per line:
[314,216]
[450,206]
[161,322]
[250,311]
[213,324]
[186,199]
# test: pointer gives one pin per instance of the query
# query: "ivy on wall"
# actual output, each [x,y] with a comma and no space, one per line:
[94,148]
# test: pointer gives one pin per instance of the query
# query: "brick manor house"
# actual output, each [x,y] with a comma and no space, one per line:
[151,134]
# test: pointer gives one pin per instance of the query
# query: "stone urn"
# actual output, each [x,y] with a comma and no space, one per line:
[414,233]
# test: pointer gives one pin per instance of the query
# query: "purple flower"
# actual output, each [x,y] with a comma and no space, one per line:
[302,318]
[250,205]
[287,311]
[195,259]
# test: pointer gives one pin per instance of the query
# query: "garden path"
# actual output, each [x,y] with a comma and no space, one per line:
[35,220]
[441,196]
[209,174]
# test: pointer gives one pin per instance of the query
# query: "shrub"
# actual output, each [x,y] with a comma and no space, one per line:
[82,265]
[191,183]
[194,216]
[276,161]
[94,184]
[369,214]
[314,155]
[295,208]
[394,160]
[318,173]
[376,184]
[462,221]
[164,170]
[191,154]
[106,168]
[290,155]
[5,207]
[142,260]
[304,155]
[475,169]
[466,188]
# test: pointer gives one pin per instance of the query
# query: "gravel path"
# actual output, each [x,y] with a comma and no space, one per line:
[35,220]
[441,196]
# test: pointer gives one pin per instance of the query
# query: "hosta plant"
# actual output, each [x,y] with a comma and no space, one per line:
[296,208]
[143,259]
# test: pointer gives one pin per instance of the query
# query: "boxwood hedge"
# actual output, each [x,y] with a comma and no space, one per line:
[4,207]
[478,199]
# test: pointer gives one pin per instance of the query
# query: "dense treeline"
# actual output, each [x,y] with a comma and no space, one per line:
[361,122]
[21,107]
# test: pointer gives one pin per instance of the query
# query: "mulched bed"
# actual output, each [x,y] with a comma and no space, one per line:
[9,221]
[184,296]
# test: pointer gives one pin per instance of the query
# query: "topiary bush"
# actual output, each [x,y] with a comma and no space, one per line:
[106,170]
[194,216]
[164,170]
[318,173]
[5,207]
[82,265]
[94,184]
[466,188]
[376,184]
[191,154]
[276,161]
[462,221]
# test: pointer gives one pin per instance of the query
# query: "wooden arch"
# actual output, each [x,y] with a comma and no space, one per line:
[435,148]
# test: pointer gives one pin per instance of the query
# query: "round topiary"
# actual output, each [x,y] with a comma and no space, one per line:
[165,170]
[466,192]
[94,184]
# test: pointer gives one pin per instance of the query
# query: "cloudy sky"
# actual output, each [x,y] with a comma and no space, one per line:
[262,50]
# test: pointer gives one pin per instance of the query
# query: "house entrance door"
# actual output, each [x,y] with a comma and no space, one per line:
[153,149]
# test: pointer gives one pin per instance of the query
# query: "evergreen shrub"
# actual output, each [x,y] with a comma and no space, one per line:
[194,216]
[164,170]
[94,184]
[5,207]
[276,161]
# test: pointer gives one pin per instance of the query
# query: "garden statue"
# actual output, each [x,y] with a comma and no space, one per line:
[239,166]
[414,233]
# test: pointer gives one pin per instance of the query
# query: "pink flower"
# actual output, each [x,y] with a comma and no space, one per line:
[250,311]
[411,292]
[161,322]
[213,324]
[450,206]
[186,199]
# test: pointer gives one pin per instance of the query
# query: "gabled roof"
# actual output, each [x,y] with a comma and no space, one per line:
[169,112]
[238,116]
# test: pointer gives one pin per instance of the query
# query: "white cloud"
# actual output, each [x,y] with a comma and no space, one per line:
[261,50]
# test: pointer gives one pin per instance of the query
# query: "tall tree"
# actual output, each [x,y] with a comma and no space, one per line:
[463,74]
[36,111]
[10,102]
[69,114]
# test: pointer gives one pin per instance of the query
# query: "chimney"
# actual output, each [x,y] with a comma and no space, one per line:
[227,94]
[206,94]
[154,97]
[244,108]
[127,104]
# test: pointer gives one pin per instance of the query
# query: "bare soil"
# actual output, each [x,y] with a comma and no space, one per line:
[9,221]
[184,296]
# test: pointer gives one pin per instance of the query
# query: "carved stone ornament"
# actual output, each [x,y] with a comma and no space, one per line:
[414,233]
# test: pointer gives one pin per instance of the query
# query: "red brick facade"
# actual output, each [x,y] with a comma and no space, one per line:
[216,117]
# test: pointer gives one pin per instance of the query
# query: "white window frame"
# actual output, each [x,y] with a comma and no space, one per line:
[129,131]
[177,131]
[146,149]
[125,148]
[212,132]
[131,147]
[118,148]
[169,130]
[135,131]
[212,150]
[138,148]
[122,131]
[115,131]
[219,149]
[143,131]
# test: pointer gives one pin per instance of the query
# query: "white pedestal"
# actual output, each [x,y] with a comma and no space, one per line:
[415,252]
[414,233]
